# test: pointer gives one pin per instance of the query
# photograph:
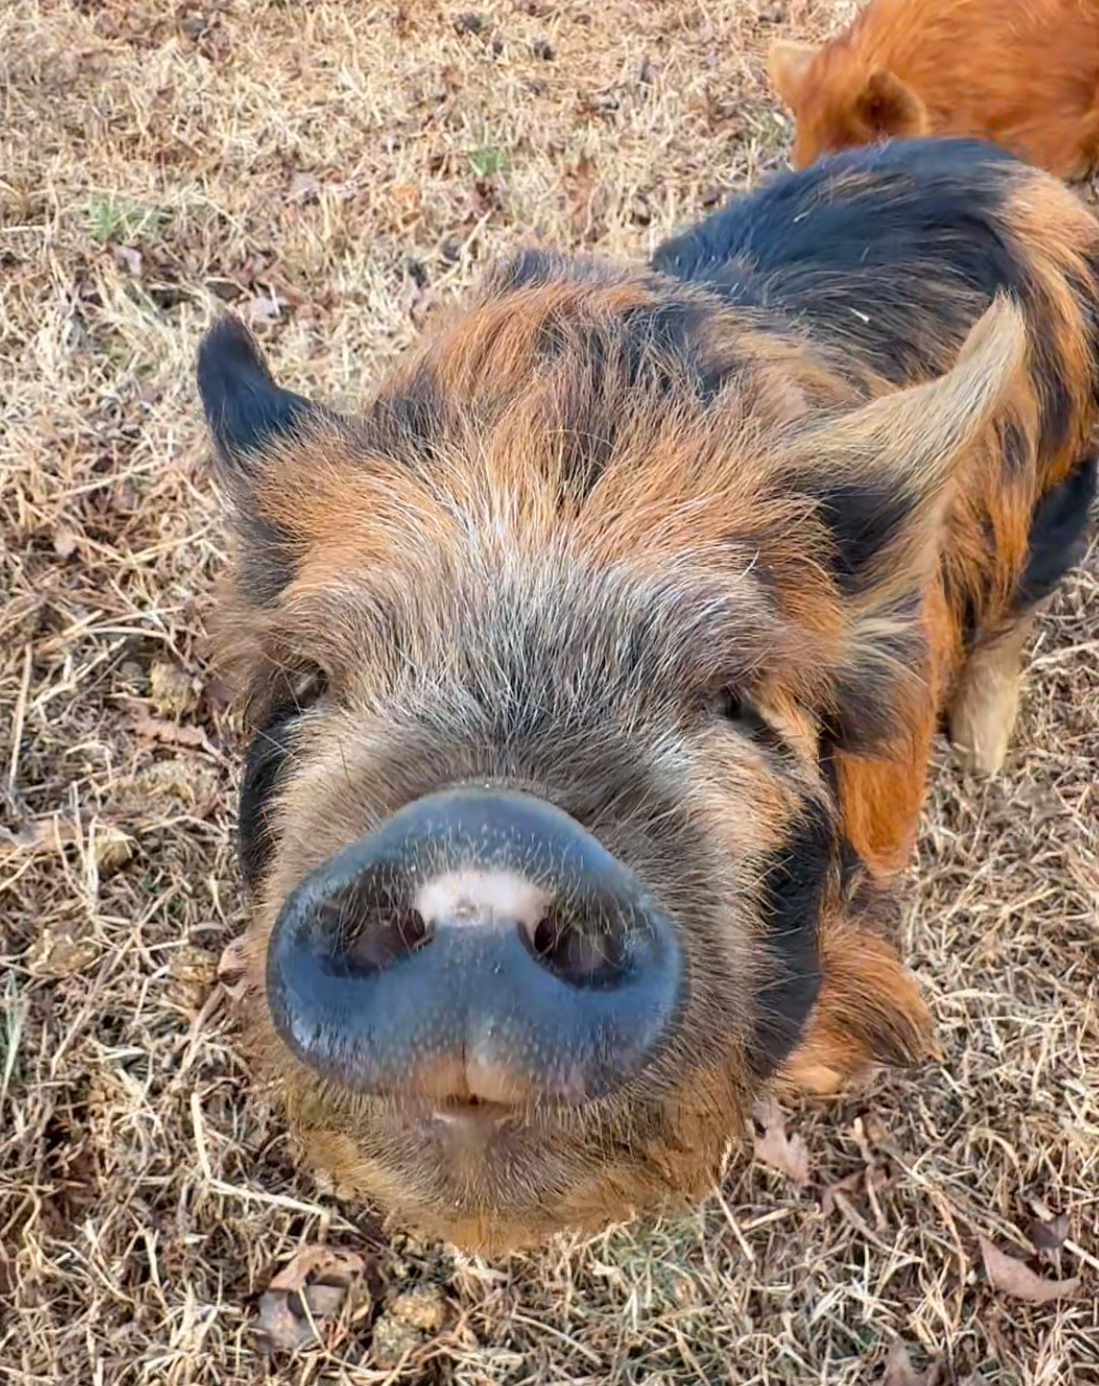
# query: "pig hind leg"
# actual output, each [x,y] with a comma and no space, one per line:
[985,705]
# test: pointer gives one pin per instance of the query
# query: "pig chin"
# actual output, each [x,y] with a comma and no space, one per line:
[508,1182]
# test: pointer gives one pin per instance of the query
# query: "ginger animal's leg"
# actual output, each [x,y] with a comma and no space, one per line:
[985,704]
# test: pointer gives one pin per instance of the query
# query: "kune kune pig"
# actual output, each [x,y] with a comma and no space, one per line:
[591,675]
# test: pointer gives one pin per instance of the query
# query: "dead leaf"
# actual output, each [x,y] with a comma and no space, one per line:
[173,691]
[39,834]
[1049,1234]
[848,1184]
[128,258]
[231,969]
[1012,1277]
[145,797]
[788,1154]
[111,847]
[899,1370]
[265,308]
[304,187]
[191,974]
[392,1340]
[65,542]
[424,1307]
[60,951]
[169,734]
[310,1289]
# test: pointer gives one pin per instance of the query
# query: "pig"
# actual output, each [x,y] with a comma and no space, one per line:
[1024,73]
[591,675]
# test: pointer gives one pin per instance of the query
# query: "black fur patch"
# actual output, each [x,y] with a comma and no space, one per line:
[864,519]
[1058,534]
[267,564]
[264,768]
[793,886]
[889,252]
[652,352]
[408,425]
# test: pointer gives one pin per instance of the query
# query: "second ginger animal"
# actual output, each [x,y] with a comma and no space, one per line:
[1024,73]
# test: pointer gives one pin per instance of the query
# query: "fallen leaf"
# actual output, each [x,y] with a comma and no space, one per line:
[65,542]
[788,1154]
[191,974]
[424,1307]
[111,847]
[310,1289]
[60,951]
[1049,1234]
[231,969]
[1012,1277]
[304,187]
[145,797]
[172,690]
[899,1370]
[39,834]
[392,1340]
[848,1184]
[168,733]
[127,258]
[265,309]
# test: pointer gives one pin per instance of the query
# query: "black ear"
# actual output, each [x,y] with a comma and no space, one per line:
[245,409]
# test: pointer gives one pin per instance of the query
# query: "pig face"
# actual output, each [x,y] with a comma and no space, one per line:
[541,656]
[841,100]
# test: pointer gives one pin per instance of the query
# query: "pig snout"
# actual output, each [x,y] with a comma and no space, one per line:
[479,947]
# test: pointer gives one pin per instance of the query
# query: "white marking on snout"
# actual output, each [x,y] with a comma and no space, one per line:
[481,899]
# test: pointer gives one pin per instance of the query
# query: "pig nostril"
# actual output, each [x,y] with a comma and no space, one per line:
[381,937]
[581,957]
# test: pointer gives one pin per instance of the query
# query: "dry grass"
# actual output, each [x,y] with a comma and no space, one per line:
[334,169]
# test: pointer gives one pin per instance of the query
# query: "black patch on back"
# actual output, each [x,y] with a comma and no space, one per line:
[265,766]
[1058,534]
[534,269]
[793,885]
[244,407]
[891,251]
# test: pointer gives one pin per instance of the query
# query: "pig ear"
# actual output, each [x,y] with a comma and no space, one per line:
[245,410]
[788,63]
[882,473]
[890,108]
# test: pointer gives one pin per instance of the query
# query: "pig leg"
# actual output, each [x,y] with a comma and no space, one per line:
[985,705]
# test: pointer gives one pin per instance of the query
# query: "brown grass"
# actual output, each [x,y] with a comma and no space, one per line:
[319,165]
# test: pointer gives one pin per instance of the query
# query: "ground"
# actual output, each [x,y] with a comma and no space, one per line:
[335,171]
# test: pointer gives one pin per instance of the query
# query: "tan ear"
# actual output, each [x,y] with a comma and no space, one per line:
[882,472]
[890,108]
[787,63]
[869,1013]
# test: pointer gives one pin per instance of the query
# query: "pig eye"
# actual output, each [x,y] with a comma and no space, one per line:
[299,689]
[738,708]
